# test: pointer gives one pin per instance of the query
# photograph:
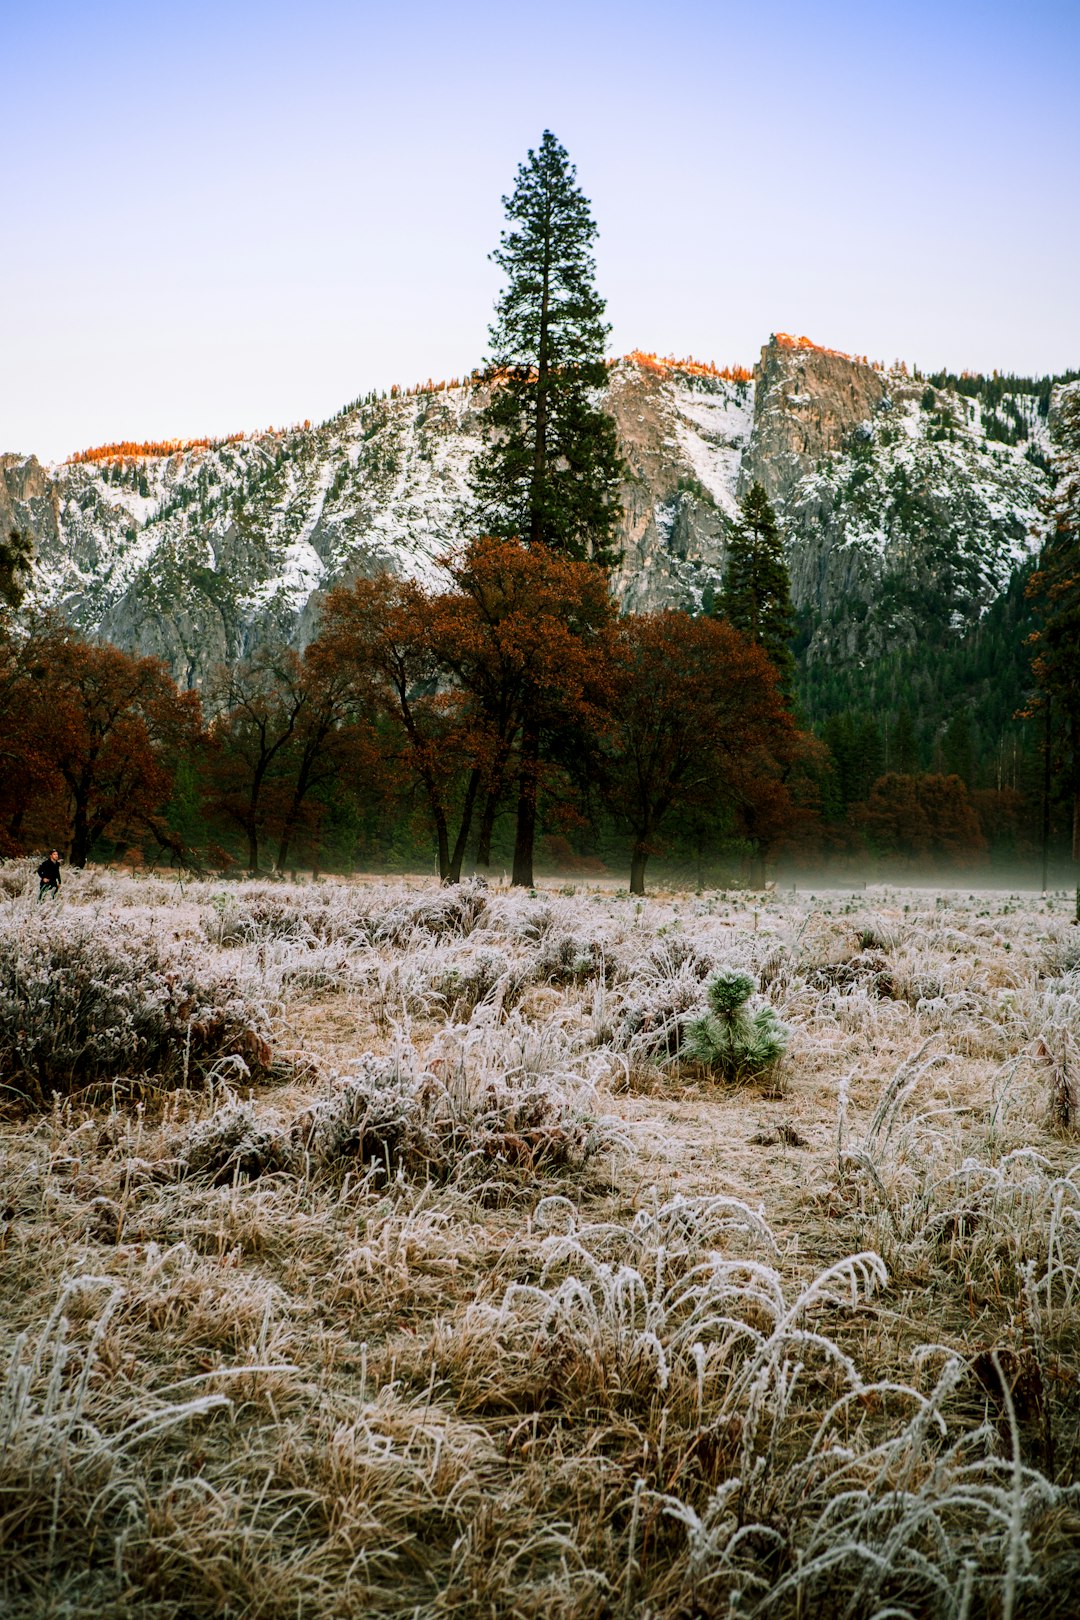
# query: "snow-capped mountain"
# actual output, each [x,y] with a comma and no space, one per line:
[893,496]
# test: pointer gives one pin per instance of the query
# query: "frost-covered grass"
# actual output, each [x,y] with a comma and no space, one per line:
[495,1299]
[85,1000]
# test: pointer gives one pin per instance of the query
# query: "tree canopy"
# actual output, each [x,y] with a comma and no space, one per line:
[756,595]
[551,471]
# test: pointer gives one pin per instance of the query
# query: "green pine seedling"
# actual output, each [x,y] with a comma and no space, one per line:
[730,1040]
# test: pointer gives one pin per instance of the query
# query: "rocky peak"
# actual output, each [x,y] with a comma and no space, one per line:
[808,402]
[904,507]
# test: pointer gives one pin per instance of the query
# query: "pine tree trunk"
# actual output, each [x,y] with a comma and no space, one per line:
[525,836]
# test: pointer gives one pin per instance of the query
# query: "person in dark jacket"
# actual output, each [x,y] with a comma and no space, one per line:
[49,876]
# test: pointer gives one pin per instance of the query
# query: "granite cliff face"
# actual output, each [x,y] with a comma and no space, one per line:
[895,501]
[807,403]
[904,508]
[1064,425]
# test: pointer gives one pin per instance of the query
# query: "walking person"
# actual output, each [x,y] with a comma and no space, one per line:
[49,876]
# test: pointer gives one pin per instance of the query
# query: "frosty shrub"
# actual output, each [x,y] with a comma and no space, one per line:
[1066,957]
[455,910]
[14,879]
[234,1143]
[654,1014]
[869,968]
[658,993]
[395,1117]
[84,1001]
[730,1040]
[470,980]
[565,959]
[260,913]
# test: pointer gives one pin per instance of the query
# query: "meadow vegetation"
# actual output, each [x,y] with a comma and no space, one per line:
[383,1248]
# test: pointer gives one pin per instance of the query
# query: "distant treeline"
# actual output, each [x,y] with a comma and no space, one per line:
[410,731]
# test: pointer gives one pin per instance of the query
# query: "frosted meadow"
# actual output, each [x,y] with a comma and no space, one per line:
[376,1248]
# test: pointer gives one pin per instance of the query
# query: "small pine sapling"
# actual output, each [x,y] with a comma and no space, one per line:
[730,1040]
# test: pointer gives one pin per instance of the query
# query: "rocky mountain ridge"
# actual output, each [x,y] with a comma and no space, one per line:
[897,500]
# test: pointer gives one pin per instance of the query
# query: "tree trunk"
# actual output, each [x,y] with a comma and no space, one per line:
[487,826]
[250,822]
[638,856]
[292,816]
[442,839]
[471,790]
[80,836]
[525,836]
[286,839]
[492,801]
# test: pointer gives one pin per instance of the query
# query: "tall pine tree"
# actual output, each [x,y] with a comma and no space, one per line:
[756,596]
[551,472]
[1055,592]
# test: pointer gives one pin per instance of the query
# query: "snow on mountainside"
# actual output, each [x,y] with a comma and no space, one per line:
[905,508]
[888,492]
[1064,427]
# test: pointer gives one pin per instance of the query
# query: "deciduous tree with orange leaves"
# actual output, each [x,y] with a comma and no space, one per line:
[923,818]
[533,651]
[473,681]
[389,636]
[31,788]
[114,726]
[698,723]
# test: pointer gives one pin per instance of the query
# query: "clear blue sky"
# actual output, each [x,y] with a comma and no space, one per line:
[223,216]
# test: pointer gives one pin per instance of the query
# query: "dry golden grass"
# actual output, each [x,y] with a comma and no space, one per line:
[487,1303]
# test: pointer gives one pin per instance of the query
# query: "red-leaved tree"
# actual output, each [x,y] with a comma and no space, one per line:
[113,727]
[698,723]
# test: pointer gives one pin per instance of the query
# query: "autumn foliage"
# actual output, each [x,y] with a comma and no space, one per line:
[664,365]
[127,449]
[697,723]
[923,819]
[514,694]
[468,682]
[91,740]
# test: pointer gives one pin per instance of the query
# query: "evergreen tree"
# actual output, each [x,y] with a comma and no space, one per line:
[1055,593]
[958,748]
[904,749]
[854,744]
[551,472]
[756,597]
[16,558]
